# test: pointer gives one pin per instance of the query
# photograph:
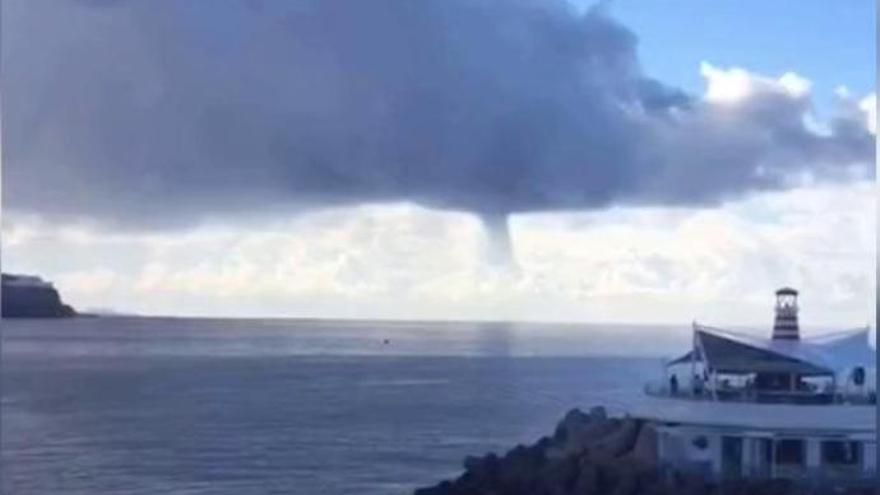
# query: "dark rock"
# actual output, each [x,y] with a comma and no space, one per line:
[573,422]
[587,481]
[617,439]
[598,413]
[31,297]
[644,452]
[592,454]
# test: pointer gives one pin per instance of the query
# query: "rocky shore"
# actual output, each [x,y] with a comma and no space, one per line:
[593,454]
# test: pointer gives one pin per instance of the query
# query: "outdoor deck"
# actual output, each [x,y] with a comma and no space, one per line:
[751,395]
[777,417]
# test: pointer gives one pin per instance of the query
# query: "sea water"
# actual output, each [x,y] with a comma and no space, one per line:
[129,406]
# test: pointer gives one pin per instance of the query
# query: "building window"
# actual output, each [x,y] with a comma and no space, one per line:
[841,453]
[790,452]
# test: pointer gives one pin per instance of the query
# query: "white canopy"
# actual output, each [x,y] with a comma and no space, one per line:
[836,352]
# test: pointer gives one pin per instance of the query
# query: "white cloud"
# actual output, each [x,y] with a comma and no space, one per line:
[16,234]
[725,86]
[734,84]
[796,85]
[403,261]
[98,281]
[868,105]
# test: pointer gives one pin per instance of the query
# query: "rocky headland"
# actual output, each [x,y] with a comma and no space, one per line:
[593,454]
[25,296]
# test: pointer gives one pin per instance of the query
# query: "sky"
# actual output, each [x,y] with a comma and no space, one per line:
[831,43]
[642,162]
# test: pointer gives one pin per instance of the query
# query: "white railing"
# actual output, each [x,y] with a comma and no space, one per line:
[839,396]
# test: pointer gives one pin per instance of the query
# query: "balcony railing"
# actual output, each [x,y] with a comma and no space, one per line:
[752,395]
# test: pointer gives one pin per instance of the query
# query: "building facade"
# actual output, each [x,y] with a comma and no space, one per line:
[739,406]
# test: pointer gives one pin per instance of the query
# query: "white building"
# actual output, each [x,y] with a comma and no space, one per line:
[738,406]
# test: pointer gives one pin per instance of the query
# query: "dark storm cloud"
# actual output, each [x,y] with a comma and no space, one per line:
[153,113]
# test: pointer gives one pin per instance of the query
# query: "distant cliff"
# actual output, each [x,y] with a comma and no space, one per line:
[25,296]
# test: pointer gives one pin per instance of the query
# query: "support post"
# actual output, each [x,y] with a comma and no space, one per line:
[693,358]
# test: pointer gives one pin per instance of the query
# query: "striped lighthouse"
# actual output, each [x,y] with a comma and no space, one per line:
[785,325]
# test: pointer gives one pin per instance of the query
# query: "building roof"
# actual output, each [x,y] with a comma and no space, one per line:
[733,352]
[730,356]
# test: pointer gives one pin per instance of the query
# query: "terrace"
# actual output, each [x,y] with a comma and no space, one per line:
[729,367]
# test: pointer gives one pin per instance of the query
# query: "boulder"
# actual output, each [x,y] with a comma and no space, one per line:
[644,451]
[592,454]
[615,441]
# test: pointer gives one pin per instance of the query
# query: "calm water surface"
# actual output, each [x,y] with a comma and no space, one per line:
[192,406]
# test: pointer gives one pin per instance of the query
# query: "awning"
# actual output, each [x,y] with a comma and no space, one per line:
[729,356]
[728,351]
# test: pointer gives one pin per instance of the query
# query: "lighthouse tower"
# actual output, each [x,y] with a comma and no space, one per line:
[785,326]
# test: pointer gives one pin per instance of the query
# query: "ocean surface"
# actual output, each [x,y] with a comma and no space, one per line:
[128,406]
